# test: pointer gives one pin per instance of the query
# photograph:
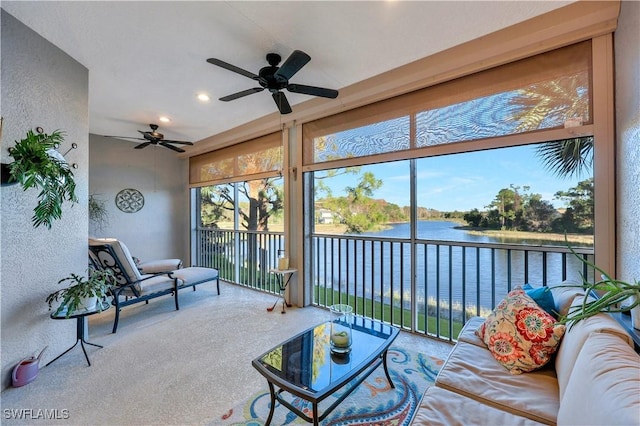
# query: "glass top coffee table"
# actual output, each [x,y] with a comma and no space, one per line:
[304,365]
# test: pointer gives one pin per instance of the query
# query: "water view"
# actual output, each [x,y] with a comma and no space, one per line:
[451,265]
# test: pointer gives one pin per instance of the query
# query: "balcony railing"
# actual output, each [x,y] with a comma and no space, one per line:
[241,257]
[426,286]
[444,285]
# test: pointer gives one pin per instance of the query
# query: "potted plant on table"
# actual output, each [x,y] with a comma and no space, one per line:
[84,294]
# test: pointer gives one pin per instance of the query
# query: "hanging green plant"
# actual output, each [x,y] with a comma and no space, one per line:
[38,164]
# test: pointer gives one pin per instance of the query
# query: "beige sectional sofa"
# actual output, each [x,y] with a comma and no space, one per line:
[593,380]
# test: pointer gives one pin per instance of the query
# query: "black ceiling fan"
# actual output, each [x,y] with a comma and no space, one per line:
[154,138]
[274,79]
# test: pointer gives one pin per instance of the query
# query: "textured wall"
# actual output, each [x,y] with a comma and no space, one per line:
[161,228]
[627,42]
[41,86]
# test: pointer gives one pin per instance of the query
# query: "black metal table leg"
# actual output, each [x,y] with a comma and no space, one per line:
[80,325]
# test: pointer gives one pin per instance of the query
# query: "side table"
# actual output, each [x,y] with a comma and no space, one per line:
[284,276]
[80,322]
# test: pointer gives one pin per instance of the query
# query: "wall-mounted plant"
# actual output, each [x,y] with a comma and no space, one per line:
[36,163]
[98,214]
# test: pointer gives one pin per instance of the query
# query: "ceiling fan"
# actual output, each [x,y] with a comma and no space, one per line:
[154,138]
[274,79]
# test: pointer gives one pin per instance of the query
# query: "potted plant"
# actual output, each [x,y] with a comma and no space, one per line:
[36,163]
[610,295]
[98,214]
[83,293]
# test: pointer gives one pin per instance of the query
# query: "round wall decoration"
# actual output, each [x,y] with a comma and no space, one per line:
[130,200]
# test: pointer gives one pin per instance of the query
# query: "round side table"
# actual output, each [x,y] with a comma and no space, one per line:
[80,321]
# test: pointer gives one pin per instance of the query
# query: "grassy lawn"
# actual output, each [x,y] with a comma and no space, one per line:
[385,312]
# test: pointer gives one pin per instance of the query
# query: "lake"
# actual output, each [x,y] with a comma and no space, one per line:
[378,265]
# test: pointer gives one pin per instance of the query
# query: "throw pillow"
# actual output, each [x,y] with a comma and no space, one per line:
[519,334]
[543,297]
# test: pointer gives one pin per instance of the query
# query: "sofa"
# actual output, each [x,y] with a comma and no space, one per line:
[593,378]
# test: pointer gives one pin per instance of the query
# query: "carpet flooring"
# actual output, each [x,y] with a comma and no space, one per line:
[166,367]
[374,402]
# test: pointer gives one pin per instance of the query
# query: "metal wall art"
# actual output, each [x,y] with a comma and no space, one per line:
[130,200]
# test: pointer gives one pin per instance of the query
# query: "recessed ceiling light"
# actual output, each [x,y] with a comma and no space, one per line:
[164,119]
[203,97]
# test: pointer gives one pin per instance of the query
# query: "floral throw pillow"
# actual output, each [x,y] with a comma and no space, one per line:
[519,334]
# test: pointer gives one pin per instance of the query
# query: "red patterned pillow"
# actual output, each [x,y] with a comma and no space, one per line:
[519,334]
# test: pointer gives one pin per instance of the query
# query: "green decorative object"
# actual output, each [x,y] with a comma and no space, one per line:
[611,293]
[73,298]
[37,164]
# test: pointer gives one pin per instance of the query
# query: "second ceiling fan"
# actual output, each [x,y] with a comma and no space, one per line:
[274,79]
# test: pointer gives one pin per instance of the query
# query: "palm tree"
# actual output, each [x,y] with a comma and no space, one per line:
[555,101]
[567,157]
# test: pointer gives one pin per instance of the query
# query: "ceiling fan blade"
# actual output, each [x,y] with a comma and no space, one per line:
[180,142]
[233,68]
[282,102]
[241,94]
[293,64]
[175,148]
[312,90]
[123,137]
[142,145]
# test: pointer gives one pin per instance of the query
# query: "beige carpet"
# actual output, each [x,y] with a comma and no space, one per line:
[166,366]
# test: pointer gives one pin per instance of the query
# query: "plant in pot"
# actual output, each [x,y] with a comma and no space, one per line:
[37,164]
[98,214]
[82,294]
[610,295]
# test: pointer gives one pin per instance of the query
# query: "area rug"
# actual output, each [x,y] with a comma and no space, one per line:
[374,402]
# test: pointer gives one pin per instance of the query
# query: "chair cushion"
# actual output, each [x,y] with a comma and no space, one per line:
[195,275]
[161,265]
[520,334]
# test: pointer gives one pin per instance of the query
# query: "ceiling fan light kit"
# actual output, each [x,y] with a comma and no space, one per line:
[154,138]
[275,79]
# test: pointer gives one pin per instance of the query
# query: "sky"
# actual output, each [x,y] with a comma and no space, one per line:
[464,181]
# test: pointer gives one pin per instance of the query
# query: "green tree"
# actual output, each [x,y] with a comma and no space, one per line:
[473,218]
[539,214]
[579,216]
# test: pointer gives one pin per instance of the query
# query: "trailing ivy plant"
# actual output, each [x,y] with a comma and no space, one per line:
[37,165]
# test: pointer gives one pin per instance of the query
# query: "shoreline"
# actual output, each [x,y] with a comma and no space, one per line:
[492,233]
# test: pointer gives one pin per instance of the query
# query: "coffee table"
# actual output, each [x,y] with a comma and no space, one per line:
[305,367]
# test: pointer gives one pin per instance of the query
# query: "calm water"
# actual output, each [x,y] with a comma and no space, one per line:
[463,276]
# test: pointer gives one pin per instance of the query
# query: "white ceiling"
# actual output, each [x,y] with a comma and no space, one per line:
[147,59]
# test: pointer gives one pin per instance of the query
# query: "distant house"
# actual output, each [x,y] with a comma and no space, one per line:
[325,216]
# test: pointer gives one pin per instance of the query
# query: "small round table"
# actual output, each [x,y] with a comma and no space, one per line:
[80,321]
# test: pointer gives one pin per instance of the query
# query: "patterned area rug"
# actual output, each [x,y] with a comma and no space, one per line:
[374,402]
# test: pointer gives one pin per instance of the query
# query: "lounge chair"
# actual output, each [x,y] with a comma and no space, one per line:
[131,286]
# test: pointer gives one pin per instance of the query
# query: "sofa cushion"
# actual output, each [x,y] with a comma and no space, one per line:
[543,297]
[468,332]
[607,366]
[563,295]
[472,371]
[520,334]
[575,338]
[442,407]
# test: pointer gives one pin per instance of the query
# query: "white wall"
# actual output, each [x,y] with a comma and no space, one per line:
[161,228]
[627,57]
[41,86]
